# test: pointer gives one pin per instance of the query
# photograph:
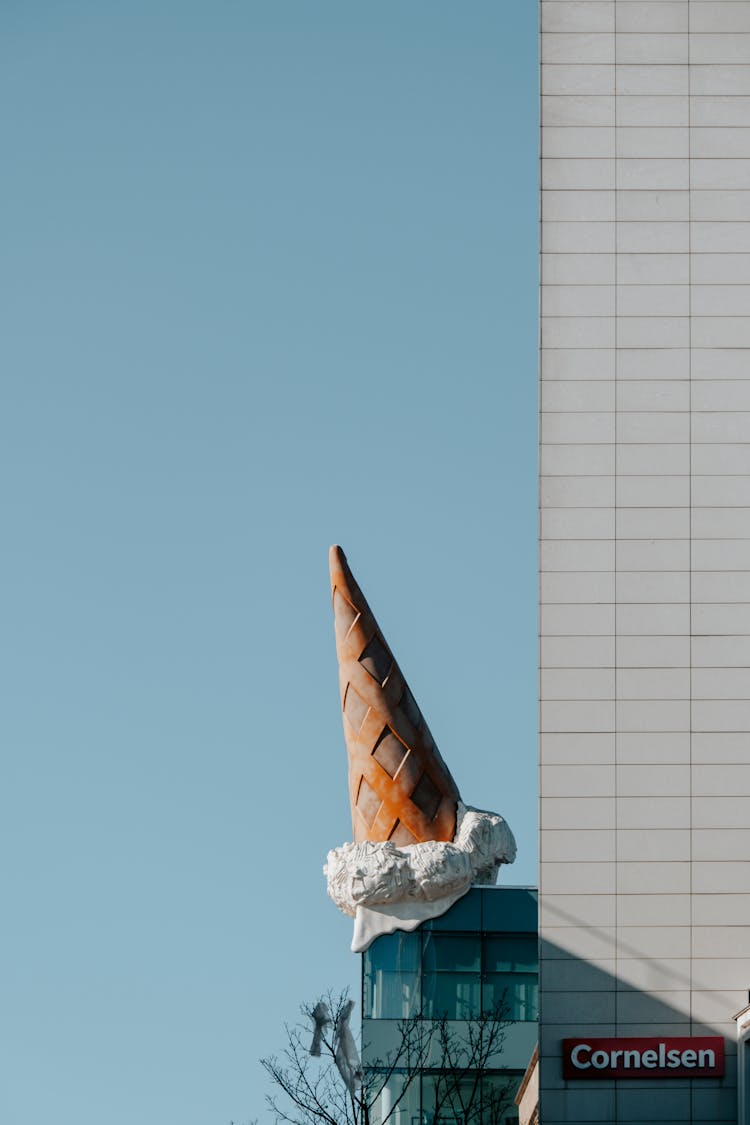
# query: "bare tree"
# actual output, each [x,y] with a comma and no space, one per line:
[462,1086]
[458,1066]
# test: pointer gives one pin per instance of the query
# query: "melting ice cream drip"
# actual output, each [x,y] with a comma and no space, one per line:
[386,888]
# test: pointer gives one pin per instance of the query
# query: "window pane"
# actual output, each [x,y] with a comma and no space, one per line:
[394,952]
[397,1103]
[470,1099]
[391,972]
[498,1095]
[511,953]
[448,1099]
[463,915]
[453,995]
[444,953]
[515,909]
[391,996]
[514,996]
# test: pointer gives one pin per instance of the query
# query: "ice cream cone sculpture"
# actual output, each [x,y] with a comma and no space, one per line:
[399,787]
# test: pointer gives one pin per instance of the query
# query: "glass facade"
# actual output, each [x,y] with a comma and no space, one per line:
[477,961]
[456,976]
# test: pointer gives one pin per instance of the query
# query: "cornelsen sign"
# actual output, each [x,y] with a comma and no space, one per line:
[671,1057]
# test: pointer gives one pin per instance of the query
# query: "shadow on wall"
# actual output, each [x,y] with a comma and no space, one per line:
[636,995]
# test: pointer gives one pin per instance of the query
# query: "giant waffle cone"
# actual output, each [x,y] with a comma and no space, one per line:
[399,787]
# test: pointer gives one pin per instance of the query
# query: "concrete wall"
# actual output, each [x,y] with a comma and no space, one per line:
[645,539]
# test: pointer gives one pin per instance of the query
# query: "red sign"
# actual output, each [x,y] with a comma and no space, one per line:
[695,1056]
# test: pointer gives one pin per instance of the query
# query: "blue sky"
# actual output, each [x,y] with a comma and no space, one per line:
[269,283]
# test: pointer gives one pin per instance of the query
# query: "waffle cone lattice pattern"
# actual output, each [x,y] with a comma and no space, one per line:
[399,787]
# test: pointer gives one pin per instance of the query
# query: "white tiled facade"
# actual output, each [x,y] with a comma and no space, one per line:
[645,541]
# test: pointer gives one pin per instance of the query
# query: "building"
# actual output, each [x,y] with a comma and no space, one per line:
[527,1098]
[481,953]
[645,559]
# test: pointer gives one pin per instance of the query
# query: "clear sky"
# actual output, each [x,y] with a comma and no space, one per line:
[268,283]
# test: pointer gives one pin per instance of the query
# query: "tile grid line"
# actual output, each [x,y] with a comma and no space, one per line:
[615,498]
[690,543]
[689,496]
[540,831]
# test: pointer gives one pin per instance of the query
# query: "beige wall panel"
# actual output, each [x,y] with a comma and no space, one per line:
[645,538]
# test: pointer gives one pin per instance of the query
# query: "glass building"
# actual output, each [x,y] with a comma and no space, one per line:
[456,972]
